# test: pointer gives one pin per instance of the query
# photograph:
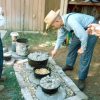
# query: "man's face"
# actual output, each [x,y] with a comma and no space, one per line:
[56,24]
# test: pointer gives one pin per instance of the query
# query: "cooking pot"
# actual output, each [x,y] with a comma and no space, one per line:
[22,47]
[50,91]
[7,56]
[37,64]
[38,59]
[49,84]
[41,72]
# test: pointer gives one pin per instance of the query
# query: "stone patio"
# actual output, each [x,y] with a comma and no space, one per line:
[30,85]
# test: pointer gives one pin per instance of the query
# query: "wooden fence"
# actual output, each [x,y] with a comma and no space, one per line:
[27,15]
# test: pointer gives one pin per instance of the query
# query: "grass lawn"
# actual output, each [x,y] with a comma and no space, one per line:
[33,39]
[12,89]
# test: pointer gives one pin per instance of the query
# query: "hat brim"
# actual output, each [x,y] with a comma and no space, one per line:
[48,25]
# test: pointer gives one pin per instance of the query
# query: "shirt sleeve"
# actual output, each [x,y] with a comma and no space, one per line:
[79,32]
[2,20]
[61,36]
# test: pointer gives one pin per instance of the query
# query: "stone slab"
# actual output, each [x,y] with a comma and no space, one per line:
[26,94]
[74,98]
[11,62]
[17,57]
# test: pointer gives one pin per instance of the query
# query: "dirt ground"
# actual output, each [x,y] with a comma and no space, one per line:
[92,89]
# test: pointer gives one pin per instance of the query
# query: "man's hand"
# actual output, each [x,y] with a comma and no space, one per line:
[53,53]
[80,51]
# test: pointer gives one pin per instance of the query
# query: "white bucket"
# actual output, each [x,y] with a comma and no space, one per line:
[22,47]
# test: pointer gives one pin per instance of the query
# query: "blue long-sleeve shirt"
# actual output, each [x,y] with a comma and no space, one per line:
[76,22]
[2,20]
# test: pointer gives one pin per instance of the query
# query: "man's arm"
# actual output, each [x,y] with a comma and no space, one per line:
[61,35]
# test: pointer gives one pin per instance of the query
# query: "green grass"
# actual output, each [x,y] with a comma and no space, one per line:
[33,39]
[12,89]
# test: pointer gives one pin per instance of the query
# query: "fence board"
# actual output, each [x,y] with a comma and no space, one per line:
[42,14]
[63,6]
[26,15]
[33,16]
[17,14]
[30,14]
[8,13]
[13,14]
[39,14]
[36,13]
[22,12]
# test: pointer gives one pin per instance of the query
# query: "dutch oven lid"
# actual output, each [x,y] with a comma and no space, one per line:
[38,56]
[49,82]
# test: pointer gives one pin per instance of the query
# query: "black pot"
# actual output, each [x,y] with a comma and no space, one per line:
[39,76]
[37,64]
[46,84]
[7,56]
[22,47]
[22,40]
[50,91]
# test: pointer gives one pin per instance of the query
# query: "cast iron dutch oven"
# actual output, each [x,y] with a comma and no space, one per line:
[7,56]
[49,86]
[37,63]
[41,72]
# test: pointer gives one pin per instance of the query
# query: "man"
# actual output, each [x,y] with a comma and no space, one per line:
[2,78]
[81,41]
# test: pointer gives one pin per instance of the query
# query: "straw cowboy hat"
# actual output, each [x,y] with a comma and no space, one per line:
[51,16]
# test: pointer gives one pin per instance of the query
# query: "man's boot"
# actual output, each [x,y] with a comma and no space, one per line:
[3,78]
[81,84]
[67,67]
[1,88]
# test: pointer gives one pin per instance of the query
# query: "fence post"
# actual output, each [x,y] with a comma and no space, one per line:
[63,6]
